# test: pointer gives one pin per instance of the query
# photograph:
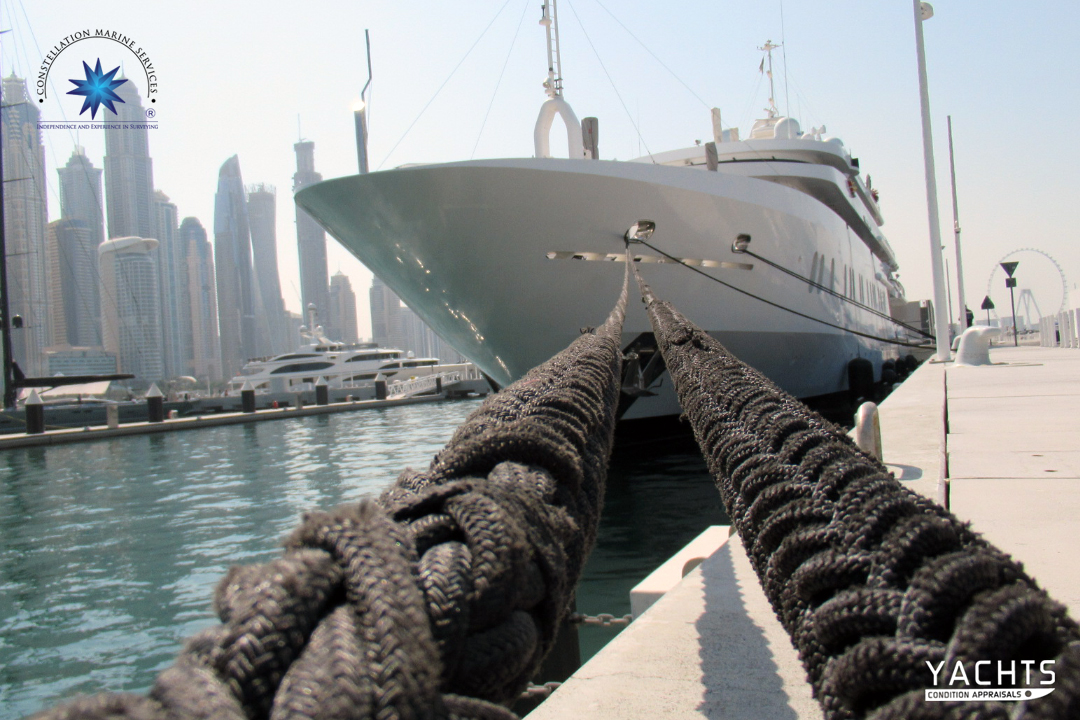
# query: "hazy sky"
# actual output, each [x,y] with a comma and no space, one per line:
[249,78]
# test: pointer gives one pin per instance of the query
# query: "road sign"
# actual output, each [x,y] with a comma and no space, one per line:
[987,303]
[1009,267]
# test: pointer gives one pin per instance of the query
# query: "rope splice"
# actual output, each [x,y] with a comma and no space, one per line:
[439,599]
[875,584]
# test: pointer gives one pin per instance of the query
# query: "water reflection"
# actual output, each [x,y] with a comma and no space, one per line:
[109,551]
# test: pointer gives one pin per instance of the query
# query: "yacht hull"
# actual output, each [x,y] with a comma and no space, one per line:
[508,260]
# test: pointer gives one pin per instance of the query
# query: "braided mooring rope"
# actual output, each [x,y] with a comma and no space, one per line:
[438,600]
[870,579]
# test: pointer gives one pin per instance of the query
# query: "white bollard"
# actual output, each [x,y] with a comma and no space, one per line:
[975,346]
[867,430]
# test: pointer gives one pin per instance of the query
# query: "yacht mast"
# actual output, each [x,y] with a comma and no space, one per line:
[555,104]
[767,48]
[550,21]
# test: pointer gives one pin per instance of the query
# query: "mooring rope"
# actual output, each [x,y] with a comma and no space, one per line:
[438,600]
[870,579]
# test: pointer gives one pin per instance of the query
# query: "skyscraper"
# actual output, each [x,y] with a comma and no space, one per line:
[387,328]
[80,194]
[73,284]
[129,175]
[232,256]
[81,200]
[201,321]
[172,280]
[310,237]
[341,325]
[262,215]
[25,217]
[131,326]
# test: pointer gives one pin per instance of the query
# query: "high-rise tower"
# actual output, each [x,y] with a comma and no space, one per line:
[73,284]
[129,176]
[25,217]
[131,325]
[80,194]
[172,279]
[386,320]
[310,237]
[262,215]
[342,315]
[81,200]
[232,256]
[201,320]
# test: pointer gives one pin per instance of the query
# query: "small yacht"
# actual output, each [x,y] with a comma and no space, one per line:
[343,366]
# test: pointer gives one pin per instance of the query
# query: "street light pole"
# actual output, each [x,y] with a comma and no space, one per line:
[956,235]
[923,11]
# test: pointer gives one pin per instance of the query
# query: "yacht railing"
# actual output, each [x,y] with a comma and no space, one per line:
[416,386]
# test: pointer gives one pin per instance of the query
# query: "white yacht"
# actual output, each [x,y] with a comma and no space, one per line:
[342,366]
[772,243]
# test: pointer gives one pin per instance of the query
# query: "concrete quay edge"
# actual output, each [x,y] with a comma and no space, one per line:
[102,432]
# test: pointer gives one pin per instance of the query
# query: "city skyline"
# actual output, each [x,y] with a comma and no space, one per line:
[989,65]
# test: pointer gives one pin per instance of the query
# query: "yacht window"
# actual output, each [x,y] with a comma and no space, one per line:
[296,356]
[390,365]
[365,376]
[301,367]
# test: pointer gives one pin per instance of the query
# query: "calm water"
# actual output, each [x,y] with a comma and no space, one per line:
[109,551]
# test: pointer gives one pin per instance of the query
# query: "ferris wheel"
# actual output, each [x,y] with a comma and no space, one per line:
[1026,294]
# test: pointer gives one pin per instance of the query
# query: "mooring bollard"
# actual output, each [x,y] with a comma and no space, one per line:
[438,386]
[112,416]
[35,414]
[867,430]
[380,387]
[322,392]
[155,404]
[247,398]
[298,402]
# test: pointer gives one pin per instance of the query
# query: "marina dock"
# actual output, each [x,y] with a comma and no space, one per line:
[998,445]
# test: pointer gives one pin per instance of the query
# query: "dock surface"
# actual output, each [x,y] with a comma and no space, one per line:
[999,445]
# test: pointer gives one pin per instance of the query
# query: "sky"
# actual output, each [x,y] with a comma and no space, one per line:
[454,81]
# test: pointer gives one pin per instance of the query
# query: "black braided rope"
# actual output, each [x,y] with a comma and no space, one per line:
[870,579]
[438,600]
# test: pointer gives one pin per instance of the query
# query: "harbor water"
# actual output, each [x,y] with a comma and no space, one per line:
[110,550]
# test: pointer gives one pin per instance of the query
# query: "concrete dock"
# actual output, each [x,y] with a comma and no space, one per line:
[101,432]
[999,445]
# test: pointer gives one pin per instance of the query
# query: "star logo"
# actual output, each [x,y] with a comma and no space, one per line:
[97,88]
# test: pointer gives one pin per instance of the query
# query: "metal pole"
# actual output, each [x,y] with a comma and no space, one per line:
[956,235]
[10,391]
[1012,299]
[940,318]
[948,291]
[360,116]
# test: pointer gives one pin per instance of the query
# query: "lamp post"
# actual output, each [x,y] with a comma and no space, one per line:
[956,235]
[923,11]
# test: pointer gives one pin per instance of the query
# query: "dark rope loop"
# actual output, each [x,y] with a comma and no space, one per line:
[438,600]
[870,580]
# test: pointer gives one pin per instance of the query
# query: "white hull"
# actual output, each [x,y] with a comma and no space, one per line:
[467,246]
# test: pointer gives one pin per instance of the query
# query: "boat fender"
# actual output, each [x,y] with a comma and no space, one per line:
[860,378]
